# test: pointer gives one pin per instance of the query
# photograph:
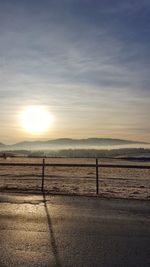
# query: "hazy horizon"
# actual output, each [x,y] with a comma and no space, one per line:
[86,63]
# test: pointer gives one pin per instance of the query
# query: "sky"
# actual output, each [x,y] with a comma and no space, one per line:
[87,62]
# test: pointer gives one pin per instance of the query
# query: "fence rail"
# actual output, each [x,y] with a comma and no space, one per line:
[95,165]
[76,165]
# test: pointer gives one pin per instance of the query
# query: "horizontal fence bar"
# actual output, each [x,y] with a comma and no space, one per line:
[124,166]
[20,164]
[75,165]
[69,165]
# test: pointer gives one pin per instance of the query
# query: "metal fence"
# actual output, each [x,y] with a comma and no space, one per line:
[97,165]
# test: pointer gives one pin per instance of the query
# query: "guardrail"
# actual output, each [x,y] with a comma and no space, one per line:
[97,166]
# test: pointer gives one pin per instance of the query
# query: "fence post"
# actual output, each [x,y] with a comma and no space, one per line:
[43,173]
[97,185]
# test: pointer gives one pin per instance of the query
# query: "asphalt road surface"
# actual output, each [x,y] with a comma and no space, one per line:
[63,231]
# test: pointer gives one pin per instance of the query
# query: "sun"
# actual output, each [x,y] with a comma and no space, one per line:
[35,119]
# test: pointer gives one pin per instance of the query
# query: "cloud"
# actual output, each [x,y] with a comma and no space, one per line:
[79,56]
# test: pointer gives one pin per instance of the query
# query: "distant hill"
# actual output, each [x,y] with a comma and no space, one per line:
[2,145]
[68,143]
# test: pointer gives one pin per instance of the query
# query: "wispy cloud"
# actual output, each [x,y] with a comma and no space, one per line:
[91,58]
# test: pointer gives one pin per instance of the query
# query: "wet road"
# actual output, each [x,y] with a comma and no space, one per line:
[44,231]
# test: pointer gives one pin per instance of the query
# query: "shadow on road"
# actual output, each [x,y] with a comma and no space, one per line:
[51,233]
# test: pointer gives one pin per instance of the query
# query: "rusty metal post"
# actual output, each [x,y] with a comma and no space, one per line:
[97,184]
[43,174]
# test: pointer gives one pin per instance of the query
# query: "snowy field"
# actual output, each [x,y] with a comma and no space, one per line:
[113,182]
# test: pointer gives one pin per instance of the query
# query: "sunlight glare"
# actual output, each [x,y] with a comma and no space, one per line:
[36,119]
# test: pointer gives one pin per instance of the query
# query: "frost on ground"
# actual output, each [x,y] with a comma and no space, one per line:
[113,182]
